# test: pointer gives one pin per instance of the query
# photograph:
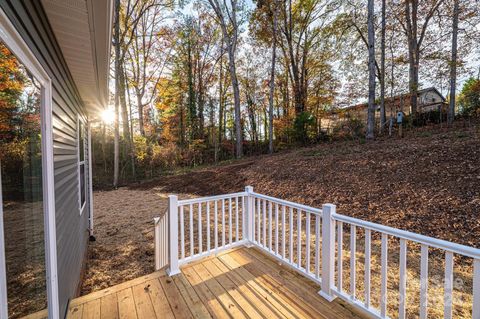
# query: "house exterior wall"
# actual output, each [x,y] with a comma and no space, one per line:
[30,20]
[428,100]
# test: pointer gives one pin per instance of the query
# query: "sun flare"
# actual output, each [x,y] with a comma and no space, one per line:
[108,116]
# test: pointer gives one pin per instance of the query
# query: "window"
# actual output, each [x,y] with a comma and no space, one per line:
[27,199]
[21,186]
[81,165]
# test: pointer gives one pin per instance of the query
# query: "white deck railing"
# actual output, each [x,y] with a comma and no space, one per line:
[308,240]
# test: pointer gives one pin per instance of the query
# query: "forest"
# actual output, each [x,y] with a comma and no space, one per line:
[200,82]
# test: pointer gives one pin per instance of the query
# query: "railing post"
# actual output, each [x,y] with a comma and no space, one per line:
[157,243]
[476,289]
[248,235]
[328,251]
[173,232]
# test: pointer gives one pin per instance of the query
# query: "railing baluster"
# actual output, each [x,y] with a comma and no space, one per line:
[307,244]
[230,221]
[423,281]
[245,227]
[276,229]
[403,279]
[264,227]
[208,226]
[448,291]
[253,208]
[340,256]
[158,242]
[215,221]
[223,222]
[353,252]
[291,235]
[299,238]
[191,230]
[236,218]
[476,289]
[259,230]
[182,234]
[200,243]
[270,237]
[383,289]
[368,257]
[165,247]
[317,246]
[284,240]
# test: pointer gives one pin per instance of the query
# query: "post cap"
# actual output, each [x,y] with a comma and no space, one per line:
[329,208]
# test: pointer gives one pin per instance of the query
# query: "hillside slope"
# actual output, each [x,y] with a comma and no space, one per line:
[427,183]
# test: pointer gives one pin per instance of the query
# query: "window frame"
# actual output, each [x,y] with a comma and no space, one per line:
[81,142]
[13,40]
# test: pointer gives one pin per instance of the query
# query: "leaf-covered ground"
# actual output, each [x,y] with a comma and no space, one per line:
[427,182]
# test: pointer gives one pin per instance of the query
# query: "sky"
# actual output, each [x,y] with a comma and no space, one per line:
[473,60]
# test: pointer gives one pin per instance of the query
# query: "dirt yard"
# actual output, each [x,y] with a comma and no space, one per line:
[427,183]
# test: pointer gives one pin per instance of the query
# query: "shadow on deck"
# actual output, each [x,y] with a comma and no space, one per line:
[239,283]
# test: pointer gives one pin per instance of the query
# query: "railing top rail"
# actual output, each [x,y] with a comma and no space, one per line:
[288,203]
[421,239]
[210,198]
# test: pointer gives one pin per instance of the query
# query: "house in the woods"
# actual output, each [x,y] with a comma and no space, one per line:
[54,57]
[429,100]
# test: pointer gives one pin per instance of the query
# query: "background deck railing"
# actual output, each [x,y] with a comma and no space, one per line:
[312,242]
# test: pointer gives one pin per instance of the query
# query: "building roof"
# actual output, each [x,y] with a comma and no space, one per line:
[83,29]
[398,100]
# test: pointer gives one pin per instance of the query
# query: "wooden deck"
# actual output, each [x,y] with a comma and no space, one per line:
[240,283]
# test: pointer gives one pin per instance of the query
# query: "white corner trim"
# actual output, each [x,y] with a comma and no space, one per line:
[10,36]
[90,179]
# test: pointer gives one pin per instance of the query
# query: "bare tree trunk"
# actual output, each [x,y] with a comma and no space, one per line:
[415,43]
[272,79]
[371,72]
[453,65]
[141,121]
[228,23]
[192,111]
[383,117]
[116,148]
[220,97]
[392,75]
[182,124]
[130,130]
[265,124]
[123,103]
[411,8]
[236,98]
[104,155]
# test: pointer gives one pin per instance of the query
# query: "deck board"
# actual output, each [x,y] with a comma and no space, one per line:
[109,307]
[240,283]
[126,304]
[159,300]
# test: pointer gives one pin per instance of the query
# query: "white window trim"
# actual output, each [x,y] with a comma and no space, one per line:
[86,174]
[10,36]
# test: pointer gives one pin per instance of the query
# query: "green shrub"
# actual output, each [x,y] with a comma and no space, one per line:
[302,125]
[469,99]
